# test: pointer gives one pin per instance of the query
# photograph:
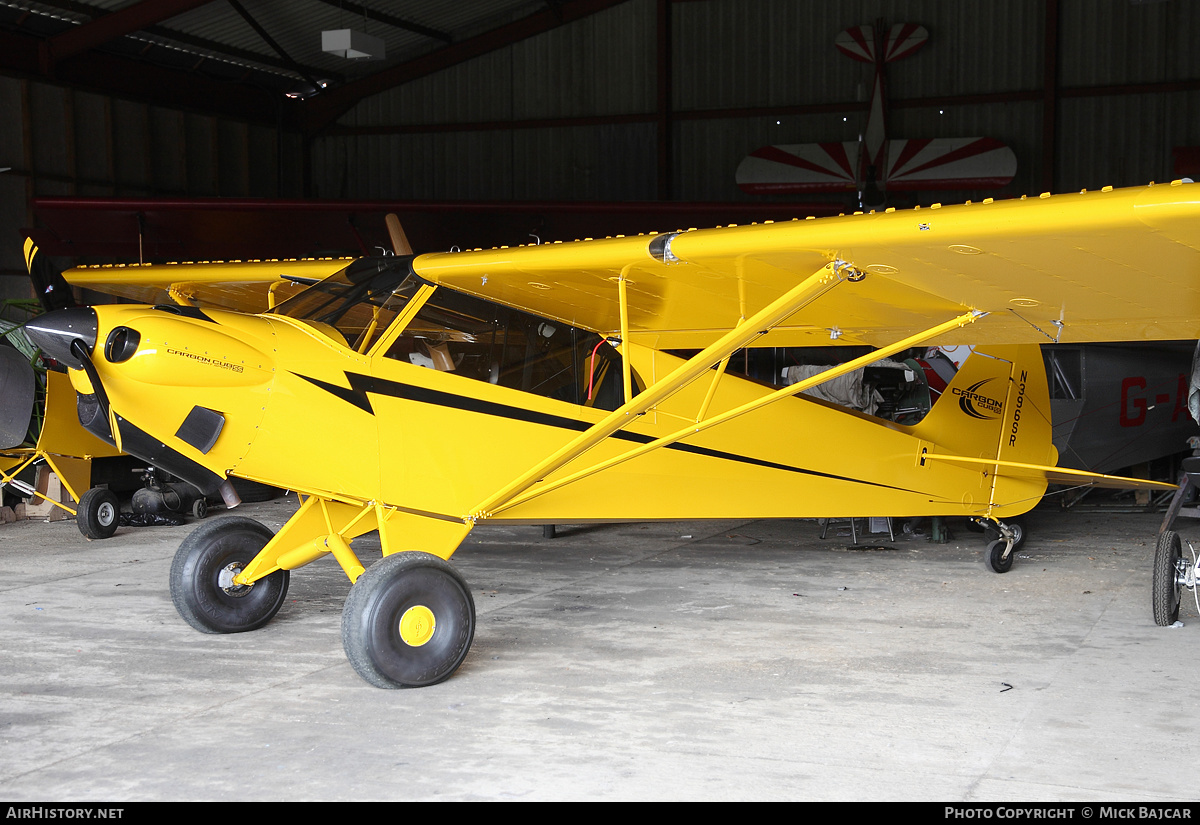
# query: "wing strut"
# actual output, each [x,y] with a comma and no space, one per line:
[623,296]
[704,424]
[808,290]
[763,321]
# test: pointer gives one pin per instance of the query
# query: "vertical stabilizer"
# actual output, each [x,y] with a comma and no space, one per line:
[997,407]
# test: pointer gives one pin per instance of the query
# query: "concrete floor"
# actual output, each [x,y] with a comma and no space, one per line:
[707,660]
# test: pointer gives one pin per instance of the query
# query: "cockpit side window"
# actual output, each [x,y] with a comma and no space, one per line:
[474,338]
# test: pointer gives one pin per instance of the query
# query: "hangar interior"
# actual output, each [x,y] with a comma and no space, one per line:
[154,130]
[565,100]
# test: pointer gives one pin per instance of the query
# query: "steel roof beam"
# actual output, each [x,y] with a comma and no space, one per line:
[270,41]
[394,22]
[110,74]
[212,48]
[111,26]
[321,111]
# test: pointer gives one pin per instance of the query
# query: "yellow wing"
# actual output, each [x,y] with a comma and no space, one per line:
[243,286]
[1112,265]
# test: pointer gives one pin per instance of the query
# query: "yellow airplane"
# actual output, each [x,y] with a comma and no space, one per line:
[418,396]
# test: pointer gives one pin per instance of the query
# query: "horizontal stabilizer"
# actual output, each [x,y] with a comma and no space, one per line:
[909,165]
[949,163]
[1055,475]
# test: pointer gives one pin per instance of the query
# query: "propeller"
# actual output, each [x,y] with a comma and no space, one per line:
[48,283]
[400,244]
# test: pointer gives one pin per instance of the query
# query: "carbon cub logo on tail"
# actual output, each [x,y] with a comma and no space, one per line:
[977,405]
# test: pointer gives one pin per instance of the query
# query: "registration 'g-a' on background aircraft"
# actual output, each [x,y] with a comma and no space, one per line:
[421,395]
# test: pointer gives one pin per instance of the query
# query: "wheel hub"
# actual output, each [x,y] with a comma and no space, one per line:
[106,514]
[1185,574]
[226,583]
[416,625]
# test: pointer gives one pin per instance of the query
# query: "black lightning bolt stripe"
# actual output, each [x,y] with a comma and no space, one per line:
[361,385]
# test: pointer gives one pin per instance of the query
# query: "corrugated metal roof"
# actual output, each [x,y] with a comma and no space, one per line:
[572,71]
[296,25]
[218,31]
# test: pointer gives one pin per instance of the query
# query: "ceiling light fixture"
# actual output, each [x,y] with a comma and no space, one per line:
[352,45]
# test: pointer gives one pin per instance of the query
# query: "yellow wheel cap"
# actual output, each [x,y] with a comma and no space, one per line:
[416,625]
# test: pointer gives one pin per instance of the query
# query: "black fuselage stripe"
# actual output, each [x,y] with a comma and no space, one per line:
[360,385]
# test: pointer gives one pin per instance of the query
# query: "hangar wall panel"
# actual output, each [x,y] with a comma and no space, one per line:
[1106,43]
[13,213]
[60,141]
[50,126]
[169,160]
[131,148]
[603,65]
[595,66]
[233,158]
[613,162]
[12,137]
[93,145]
[479,90]
[14,189]
[772,53]
[200,140]
[1138,131]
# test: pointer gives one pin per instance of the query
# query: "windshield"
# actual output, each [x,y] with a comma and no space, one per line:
[358,303]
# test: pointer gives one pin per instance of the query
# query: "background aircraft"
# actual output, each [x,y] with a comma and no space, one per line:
[875,165]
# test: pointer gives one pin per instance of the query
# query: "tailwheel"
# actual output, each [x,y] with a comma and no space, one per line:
[1004,539]
[1167,583]
[999,557]
[202,573]
[408,621]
